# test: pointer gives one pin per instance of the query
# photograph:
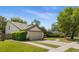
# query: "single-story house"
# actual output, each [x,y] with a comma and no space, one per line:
[33,32]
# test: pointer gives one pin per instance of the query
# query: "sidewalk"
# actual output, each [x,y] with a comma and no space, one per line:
[62,48]
[40,45]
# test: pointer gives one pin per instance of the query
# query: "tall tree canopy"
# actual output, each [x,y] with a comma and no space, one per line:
[36,22]
[68,21]
[54,27]
[3,21]
[44,30]
[18,19]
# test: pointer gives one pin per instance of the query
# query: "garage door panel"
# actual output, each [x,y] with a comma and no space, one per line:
[35,35]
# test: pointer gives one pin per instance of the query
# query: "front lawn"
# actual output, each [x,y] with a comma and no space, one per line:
[46,44]
[60,39]
[64,40]
[72,50]
[14,46]
[50,38]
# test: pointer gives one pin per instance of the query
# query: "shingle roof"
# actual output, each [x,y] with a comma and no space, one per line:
[20,25]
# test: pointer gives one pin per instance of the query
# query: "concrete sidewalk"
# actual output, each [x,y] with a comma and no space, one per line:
[62,48]
[40,45]
[53,42]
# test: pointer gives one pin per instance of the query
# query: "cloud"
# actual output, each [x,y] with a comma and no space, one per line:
[44,15]
[46,18]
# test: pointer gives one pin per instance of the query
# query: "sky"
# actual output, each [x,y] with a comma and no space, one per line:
[47,15]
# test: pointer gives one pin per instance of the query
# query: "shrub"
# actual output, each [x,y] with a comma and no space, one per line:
[13,36]
[55,35]
[8,36]
[62,35]
[21,35]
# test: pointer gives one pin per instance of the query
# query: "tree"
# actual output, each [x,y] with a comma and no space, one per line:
[68,21]
[2,27]
[49,32]
[75,22]
[44,30]
[54,27]
[18,19]
[36,22]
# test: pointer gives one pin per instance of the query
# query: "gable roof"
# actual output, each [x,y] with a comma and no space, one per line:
[22,26]
[32,26]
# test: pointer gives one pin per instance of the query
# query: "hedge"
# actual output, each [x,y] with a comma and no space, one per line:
[21,35]
[55,35]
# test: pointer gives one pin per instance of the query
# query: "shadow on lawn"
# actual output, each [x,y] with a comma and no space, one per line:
[37,40]
[71,40]
[33,40]
[74,40]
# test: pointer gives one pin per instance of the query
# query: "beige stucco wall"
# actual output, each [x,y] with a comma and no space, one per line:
[35,34]
[12,28]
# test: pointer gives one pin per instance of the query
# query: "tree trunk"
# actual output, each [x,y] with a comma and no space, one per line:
[2,36]
[72,35]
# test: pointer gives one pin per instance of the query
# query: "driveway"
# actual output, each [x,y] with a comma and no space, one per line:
[62,48]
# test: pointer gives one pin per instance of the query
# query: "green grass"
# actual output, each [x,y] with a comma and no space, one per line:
[15,46]
[46,44]
[72,50]
[50,38]
[64,40]
[60,39]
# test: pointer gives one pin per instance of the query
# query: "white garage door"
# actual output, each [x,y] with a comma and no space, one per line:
[35,35]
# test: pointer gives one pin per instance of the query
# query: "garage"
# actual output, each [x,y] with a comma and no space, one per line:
[35,33]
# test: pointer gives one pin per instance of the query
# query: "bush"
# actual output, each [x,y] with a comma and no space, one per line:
[21,35]
[8,36]
[62,35]
[55,35]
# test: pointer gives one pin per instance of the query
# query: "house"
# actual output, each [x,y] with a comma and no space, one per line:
[33,32]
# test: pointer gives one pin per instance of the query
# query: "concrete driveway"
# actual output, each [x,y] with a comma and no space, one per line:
[62,48]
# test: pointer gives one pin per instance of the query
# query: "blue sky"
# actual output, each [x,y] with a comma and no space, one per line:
[47,15]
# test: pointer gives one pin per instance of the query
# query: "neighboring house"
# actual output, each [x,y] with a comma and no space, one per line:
[33,32]
[57,32]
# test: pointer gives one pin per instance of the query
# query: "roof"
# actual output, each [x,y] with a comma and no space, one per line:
[22,26]
[32,26]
